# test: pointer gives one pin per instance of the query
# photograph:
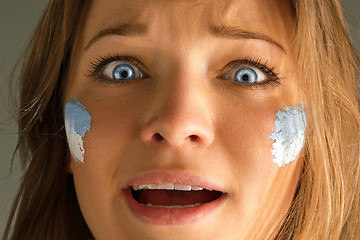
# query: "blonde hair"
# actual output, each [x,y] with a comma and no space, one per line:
[327,202]
[327,205]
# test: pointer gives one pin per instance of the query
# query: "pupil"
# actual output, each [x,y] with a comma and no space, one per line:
[124,74]
[245,77]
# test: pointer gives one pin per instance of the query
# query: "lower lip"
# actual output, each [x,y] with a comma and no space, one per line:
[171,216]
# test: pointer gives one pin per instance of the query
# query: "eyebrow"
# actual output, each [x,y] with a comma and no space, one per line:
[132,29]
[236,33]
[140,29]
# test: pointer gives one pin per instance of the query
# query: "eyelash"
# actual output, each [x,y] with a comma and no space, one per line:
[102,61]
[274,77]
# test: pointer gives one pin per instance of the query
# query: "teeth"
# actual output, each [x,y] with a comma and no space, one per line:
[192,205]
[182,187]
[196,188]
[167,186]
[174,206]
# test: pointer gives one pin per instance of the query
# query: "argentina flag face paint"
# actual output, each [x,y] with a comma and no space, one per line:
[77,124]
[288,135]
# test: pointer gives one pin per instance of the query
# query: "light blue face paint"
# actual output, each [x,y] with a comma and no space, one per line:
[289,134]
[77,123]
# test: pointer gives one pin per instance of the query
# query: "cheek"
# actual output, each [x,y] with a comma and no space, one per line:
[97,178]
[257,137]
[245,138]
[114,132]
[257,145]
[97,142]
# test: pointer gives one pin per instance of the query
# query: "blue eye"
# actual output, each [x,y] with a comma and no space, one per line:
[120,70]
[123,71]
[246,74]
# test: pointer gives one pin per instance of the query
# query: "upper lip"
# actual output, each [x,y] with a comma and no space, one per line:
[183,178]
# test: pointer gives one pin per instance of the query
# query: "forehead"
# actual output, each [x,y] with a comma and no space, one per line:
[270,17]
[216,10]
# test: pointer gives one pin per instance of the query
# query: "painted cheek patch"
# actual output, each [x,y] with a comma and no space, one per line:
[77,123]
[289,134]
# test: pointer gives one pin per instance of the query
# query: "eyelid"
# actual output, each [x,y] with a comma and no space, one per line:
[254,63]
[100,63]
[114,64]
[232,72]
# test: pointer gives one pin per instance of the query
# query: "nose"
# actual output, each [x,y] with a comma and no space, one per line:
[181,112]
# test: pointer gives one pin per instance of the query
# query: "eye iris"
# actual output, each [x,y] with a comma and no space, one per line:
[246,75]
[123,71]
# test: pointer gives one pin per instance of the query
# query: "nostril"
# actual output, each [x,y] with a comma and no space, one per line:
[157,137]
[194,138]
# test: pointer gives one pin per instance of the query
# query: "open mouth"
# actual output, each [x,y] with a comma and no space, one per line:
[172,195]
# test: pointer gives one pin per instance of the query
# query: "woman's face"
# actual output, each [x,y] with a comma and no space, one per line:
[182,93]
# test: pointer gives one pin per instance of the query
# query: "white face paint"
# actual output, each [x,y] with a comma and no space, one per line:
[289,134]
[77,123]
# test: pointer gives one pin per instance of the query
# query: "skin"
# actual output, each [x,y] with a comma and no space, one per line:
[183,98]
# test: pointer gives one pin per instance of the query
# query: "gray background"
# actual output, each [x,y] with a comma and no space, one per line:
[17,21]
